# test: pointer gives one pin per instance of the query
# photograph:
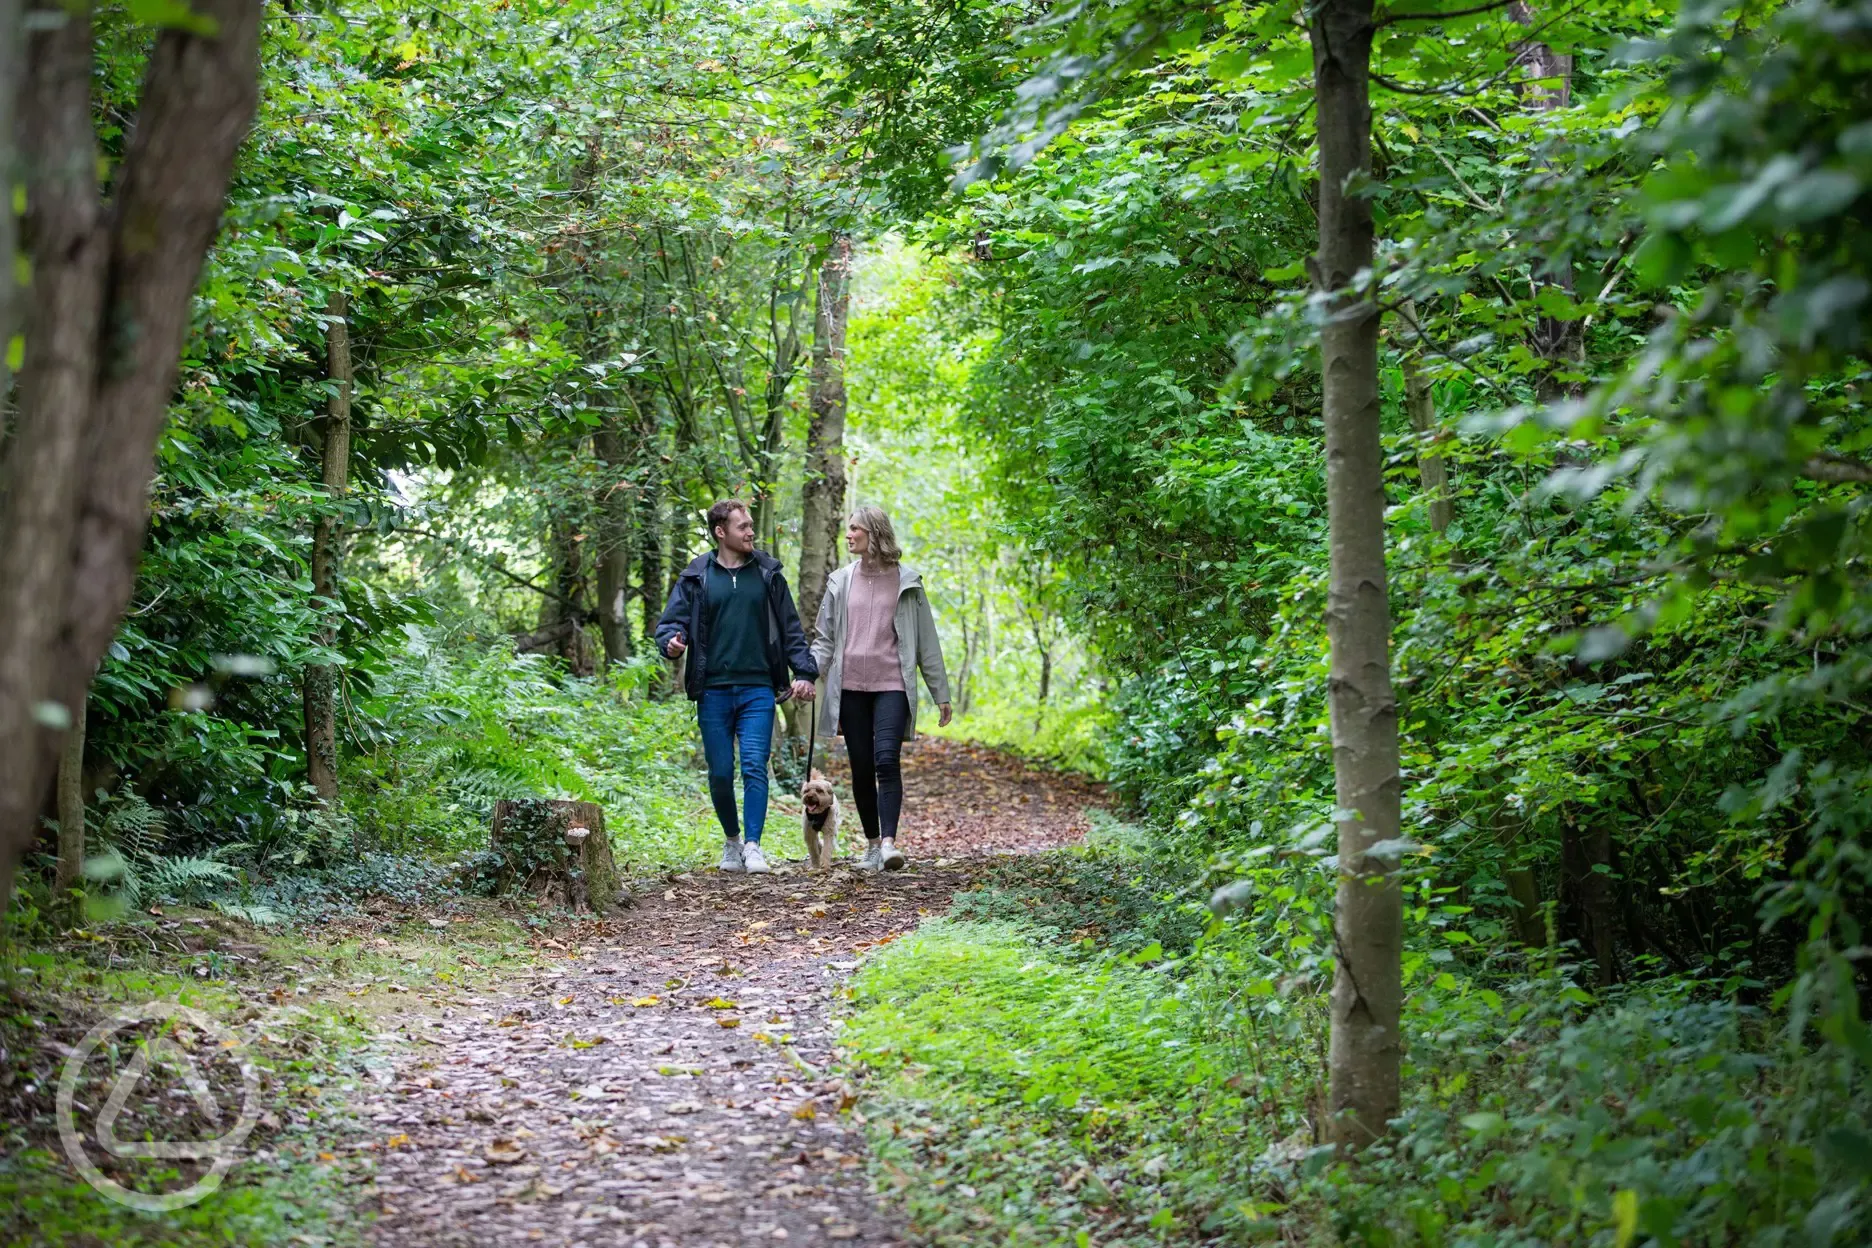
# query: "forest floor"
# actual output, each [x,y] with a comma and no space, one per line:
[663,1078]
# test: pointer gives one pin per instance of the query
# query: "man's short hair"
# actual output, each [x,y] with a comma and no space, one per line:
[719,513]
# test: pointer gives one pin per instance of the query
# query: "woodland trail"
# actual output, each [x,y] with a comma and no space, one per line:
[662,1081]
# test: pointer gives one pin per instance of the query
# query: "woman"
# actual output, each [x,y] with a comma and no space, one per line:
[875,632]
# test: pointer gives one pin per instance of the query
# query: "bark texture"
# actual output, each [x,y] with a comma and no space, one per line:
[321,679]
[1420,404]
[71,805]
[617,508]
[1364,1052]
[12,57]
[110,296]
[557,851]
[824,489]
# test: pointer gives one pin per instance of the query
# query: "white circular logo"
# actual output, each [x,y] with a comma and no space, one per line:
[220,1152]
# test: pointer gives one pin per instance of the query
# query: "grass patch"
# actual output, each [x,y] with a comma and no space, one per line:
[1022,1089]
[1020,1096]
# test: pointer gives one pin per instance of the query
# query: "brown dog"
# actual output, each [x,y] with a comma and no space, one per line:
[822,820]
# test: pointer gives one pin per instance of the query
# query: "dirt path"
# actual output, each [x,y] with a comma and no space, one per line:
[663,1081]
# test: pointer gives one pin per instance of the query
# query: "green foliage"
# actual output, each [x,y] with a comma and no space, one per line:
[1038,1098]
[453,728]
[1017,1091]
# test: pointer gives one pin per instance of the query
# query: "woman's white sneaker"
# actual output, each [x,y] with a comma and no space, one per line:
[732,858]
[752,860]
[873,859]
[893,858]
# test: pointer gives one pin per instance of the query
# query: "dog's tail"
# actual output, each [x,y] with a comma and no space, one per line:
[816,775]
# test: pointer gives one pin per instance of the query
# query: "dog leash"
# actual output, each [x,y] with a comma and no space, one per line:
[812,739]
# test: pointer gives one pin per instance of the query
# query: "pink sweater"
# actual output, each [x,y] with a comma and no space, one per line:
[871,661]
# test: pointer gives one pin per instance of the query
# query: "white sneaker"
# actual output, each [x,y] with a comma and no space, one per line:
[893,857]
[733,857]
[873,859]
[752,860]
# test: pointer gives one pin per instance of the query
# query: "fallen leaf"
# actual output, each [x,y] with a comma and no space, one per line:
[807,1111]
[504,1151]
[640,1002]
[729,1023]
[721,1003]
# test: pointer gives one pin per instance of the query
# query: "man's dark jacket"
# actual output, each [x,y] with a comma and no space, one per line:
[687,613]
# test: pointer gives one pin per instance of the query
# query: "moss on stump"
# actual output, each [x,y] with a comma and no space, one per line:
[555,850]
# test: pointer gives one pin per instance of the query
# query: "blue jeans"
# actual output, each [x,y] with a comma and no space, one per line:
[743,713]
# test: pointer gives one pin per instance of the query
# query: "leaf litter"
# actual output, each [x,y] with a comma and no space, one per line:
[607,1097]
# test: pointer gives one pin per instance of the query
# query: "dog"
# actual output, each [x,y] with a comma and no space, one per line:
[822,820]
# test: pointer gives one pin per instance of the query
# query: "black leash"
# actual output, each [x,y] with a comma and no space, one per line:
[812,739]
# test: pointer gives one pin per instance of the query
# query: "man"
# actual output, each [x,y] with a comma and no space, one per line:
[732,613]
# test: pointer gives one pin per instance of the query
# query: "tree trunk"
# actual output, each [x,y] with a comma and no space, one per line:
[1586,894]
[562,612]
[617,505]
[94,391]
[12,49]
[321,679]
[1561,343]
[650,549]
[1367,992]
[824,488]
[1420,403]
[1529,922]
[71,806]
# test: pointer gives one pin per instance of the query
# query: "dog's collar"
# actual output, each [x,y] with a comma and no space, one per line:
[817,819]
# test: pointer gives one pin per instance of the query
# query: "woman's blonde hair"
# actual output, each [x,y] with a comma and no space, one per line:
[883,538]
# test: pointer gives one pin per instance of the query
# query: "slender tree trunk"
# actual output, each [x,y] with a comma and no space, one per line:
[1365,1047]
[321,679]
[650,543]
[1420,403]
[12,59]
[617,506]
[71,805]
[94,390]
[1561,343]
[562,613]
[1586,894]
[824,488]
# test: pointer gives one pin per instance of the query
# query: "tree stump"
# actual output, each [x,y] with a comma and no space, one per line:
[555,850]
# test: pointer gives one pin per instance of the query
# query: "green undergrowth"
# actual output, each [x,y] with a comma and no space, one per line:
[1067,735]
[1042,1068]
[454,727]
[316,1011]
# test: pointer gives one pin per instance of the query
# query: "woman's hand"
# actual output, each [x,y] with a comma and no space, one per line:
[803,690]
[947,715]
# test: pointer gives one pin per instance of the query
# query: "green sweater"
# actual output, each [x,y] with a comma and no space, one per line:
[737,608]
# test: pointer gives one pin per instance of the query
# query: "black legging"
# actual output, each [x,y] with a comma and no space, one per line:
[873,724]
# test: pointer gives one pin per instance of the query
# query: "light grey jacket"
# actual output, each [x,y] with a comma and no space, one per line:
[918,647]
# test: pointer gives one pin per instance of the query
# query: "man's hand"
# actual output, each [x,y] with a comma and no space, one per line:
[803,691]
[947,714]
[676,646]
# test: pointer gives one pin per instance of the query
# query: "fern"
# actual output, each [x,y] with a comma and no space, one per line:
[249,912]
[133,827]
[186,878]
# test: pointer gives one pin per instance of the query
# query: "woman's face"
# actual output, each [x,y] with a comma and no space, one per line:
[857,540]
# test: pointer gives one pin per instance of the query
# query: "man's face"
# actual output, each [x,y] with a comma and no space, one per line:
[738,534]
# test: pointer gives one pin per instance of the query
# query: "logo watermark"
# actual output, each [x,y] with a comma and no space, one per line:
[221,1152]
